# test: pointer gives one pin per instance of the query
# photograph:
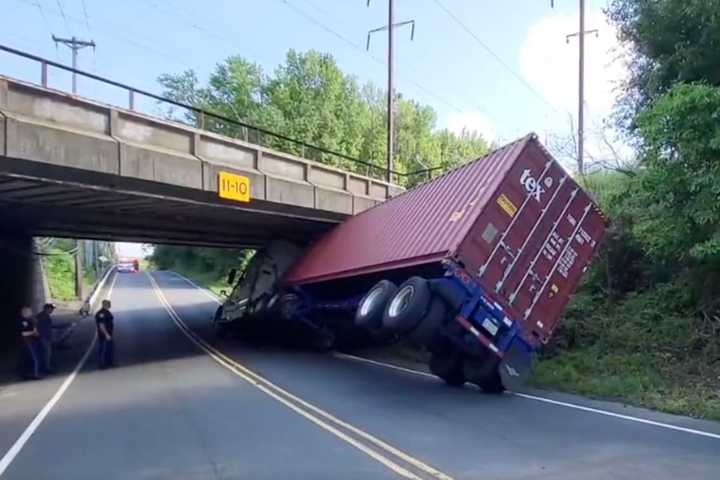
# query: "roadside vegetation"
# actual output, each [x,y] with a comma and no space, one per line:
[60,270]
[644,328]
[208,267]
[59,264]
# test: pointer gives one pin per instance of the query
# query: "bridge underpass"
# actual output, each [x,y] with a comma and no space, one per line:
[73,167]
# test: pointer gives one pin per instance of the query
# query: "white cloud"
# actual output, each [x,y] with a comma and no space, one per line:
[550,63]
[471,121]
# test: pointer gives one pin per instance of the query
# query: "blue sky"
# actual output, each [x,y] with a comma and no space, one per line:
[444,67]
[531,88]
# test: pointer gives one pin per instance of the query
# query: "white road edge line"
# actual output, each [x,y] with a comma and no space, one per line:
[15,449]
[545,400]
[275,392]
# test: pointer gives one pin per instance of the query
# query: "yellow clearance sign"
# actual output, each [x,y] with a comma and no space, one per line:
[233,187]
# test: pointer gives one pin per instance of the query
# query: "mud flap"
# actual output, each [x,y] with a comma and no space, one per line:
[516,365]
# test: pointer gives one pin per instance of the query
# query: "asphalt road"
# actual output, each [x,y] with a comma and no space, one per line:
[181,404]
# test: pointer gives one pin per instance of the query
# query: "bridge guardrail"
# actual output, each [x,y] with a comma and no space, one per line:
[202,116]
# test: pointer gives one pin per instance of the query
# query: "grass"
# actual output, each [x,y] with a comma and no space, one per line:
[60,271]
[639,378]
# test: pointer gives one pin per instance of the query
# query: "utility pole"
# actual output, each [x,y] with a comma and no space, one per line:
[79,271]
[74,44]
[390,27]
[581,83]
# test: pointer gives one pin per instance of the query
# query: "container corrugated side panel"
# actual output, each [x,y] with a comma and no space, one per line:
[548,246]
[421,225]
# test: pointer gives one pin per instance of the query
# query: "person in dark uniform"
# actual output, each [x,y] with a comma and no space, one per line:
[43,322]
[30,361]
[105,328]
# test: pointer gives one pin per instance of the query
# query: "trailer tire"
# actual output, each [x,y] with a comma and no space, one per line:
[492,383]
[448,367]
[483,372]
[426,331]
[324,341]
[218,315]
[453,295]
[408,306]
[369,313]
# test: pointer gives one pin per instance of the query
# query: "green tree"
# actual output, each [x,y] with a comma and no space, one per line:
[677,199]
[668,41]
[310,99]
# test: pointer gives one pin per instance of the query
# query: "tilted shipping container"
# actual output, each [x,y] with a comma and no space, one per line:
[514,220]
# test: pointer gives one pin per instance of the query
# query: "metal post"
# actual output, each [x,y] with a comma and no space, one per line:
[44,73]
[131,99]
[581,89]
[74,65]
[391,102]
[79,269]
[390,90]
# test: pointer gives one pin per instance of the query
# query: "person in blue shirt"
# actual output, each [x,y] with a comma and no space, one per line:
[30,361]
[43,322]
[105,328]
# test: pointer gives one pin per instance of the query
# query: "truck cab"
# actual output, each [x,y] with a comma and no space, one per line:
[255,288]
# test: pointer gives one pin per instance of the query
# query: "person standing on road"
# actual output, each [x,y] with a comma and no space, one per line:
[30,361]
[44,328]
[105,328]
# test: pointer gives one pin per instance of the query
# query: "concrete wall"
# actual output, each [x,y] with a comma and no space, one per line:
[53,127]
[16,284]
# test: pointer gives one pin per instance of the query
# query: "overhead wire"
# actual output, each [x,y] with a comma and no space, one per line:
[62,12]
[359,47]
[87,18]
[140,45]
[497,57]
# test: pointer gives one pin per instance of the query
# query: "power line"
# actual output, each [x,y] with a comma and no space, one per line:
[377,60]
[106,32]
[62,12]
[87,19]
[497,57]
[39,6]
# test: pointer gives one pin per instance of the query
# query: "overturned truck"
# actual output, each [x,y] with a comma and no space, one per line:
[476,265]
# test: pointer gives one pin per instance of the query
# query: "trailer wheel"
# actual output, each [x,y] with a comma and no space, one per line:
[427,329]
[493,383]
[323,340]
[449,367]
[408,306]
[218,315]
[369,313]
[484,373]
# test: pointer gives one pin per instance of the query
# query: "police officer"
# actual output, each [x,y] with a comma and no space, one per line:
[43,322]
[105,328]
[30,363]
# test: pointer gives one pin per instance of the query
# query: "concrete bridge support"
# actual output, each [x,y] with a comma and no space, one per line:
[21,283]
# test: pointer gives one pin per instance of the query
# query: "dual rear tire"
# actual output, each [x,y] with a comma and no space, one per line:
[410,309]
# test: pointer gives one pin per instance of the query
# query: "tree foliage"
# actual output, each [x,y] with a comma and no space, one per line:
[679,192]
[668,41]
[645,326]
[310,99]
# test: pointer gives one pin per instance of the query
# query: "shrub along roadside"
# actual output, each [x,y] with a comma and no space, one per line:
[650,349]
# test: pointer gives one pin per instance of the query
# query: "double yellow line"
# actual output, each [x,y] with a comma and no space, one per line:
[396,460]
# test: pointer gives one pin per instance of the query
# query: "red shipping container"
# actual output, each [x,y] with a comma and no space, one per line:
[514,219]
